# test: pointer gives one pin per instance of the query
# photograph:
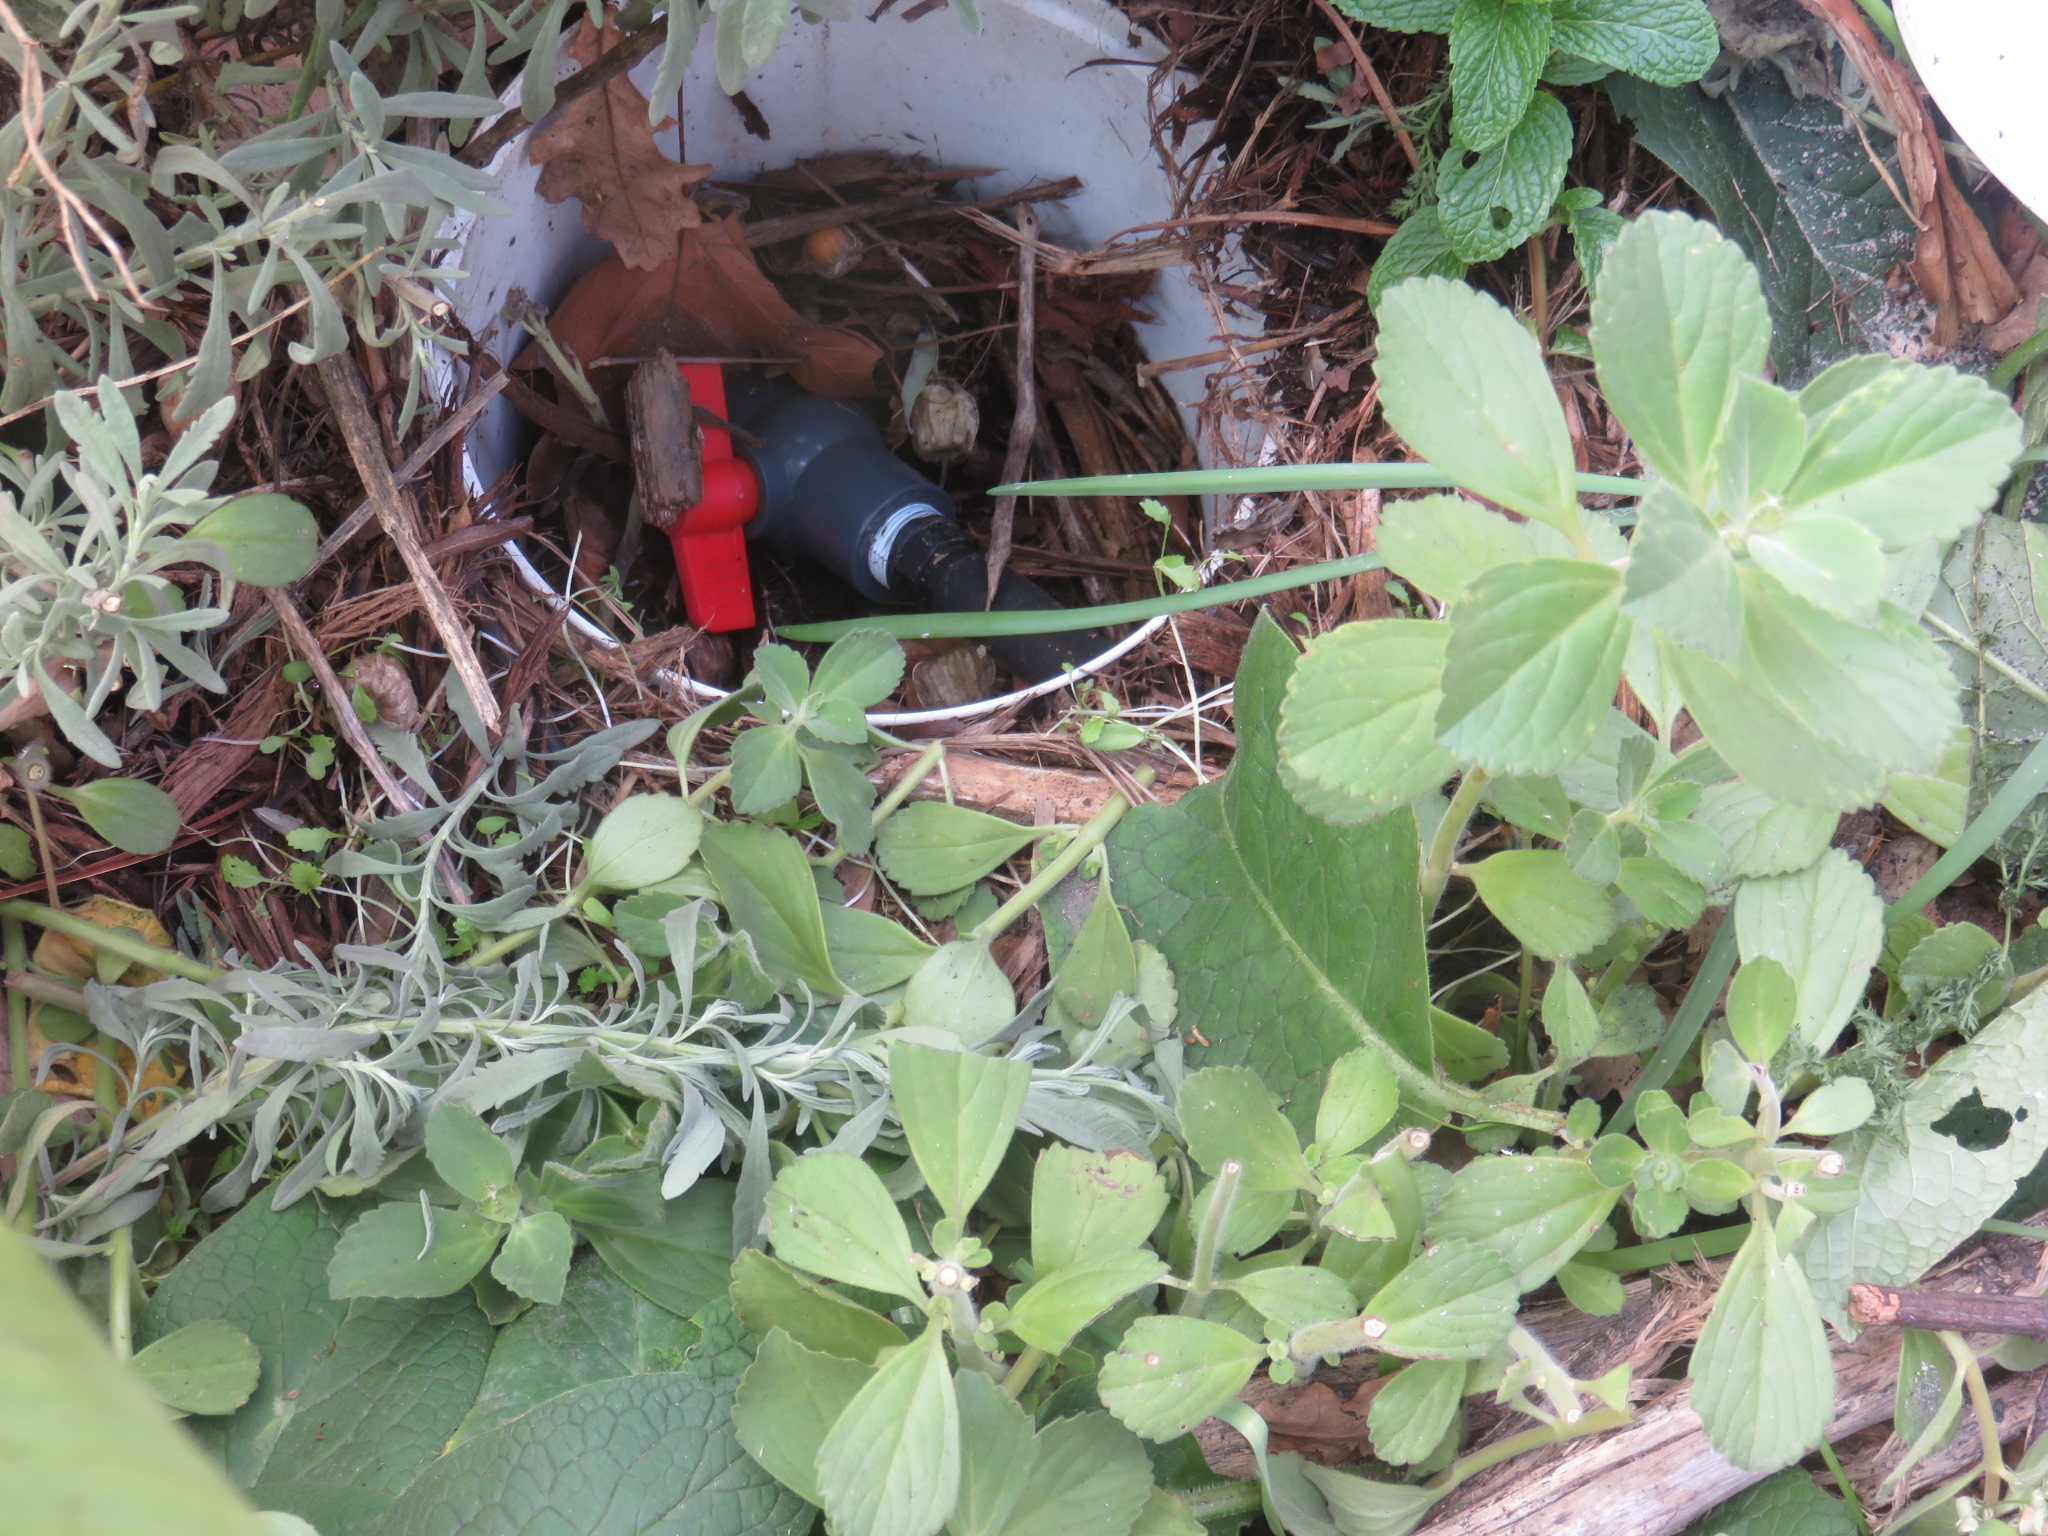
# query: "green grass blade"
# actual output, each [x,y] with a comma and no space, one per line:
[2000,812]
[1283,477]
[1706,987]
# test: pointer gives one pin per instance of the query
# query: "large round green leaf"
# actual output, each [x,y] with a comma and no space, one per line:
[267,541]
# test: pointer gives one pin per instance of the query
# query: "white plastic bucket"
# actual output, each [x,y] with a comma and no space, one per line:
[1982,61]
[1049,88]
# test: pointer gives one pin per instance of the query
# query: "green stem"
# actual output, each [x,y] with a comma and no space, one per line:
[505,943]
[114,941]
[710,787]
[1226,1504]
[1209,1237]
[1282,477]
[2015,362]
[1062,864]
[1963,642]
[1622,967]
[1980,1400]
[1714,1244]
[120,1297]
[1021,1371]
[1880,15]
[1827,1454]
[2014,1229]
[2005,807]
[1707,983]
[14,954]
[1450,831]
[905,786]
[1597,1423]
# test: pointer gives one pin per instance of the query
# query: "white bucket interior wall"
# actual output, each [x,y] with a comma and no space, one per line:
[1029,97]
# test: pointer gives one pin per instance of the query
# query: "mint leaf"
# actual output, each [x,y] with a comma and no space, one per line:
[1497,52]
[1359,723]
[1492,203]
[1667,42]
[1678,322]
[1763,1380]
[1462,382]
[651,1455]
[1419,248]
[1402,15]
[1533,659]
[1265,912]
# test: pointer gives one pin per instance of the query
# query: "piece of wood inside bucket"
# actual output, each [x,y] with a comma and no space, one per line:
[668,453]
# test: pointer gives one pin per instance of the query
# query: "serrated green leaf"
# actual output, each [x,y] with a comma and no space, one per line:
[766,1293]
[1229,1115]
[1173,1372]
[1360,716]
[534,1261]
[1681,578]
[649,1455]
[863,668]
[1833,1109]
[1596,1292]
[890,1465]
[1402,15]
[1462,381]
[1550,909]
[1831,562]
[1087,1205]
[1081,1475]
[1295,1296]
[1763,1381]
[766,884]
[1667,42]
[1785,1505]
[829,1213]
[1825,926]
[1763,836]
[1661,893]
[1419,248]
[1497,52]
[1534,1212]
[1568,1016]
[1531,665]
[1266,913]
[1490,203]
[1099,965]
[995,1456]
[1411,1414]
[1054,1308]
[1679,320]
[788,1402]
[767,768]
[388,1251]
[1908,451]
[1763,1006]
[1443,544]
[1761,447]
[1937,805]
[642,841]
[469,1159]
[1456,1302]
[208,1367]
[959,1112]
[930,848]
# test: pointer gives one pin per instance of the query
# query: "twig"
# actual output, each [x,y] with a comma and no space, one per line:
[1266,216]
[607,66]
[1371,77]
[1882,1306]
[338,701]
[910,269]
[395,510]
[1024,425]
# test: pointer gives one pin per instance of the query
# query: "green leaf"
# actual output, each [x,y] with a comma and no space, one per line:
[1228,1114]
[1669,42]
[788,1402]
[652,1454]
[1295,1296]
[1542,903]
[1419,248]
[862,667]
[1363,1507]
[769,1294]
[767,768]
[1920,1193]
[602,1329]
[1785,1505]
[870,952]
[1537,805]
[1763,1005]
[1492,202]
[1534,1212]
[1568,1016]
[1090,1205]
[930,848]
[1456,1302]
[66,1391]
[1266,913]
[1596,1292]
[17,854]
[389,1252]
[1926,1380]
[1081,1475]
[1057,1306]
[1359,722]
[1462,381]
[1831,562]
[208,1367]
[1443,544]
[1681,578]
[1358,1100]
[1825,926]
[1834,1108]
[766,884]
[1908,451]
[1716,1181]
[1763,1381]
[1937,805]
[1402,15]
[1760,450]
[960,988]
[467,1156]
[535,1258]
[1497,52]
[1099,965]
[959,1112]
[1533,659]
[1763,836]
[1173,1372]
[1661,893]
[1411,1414]
[678,1260]
[642,841]
[890,1465]
[135,817]
[266,540]
[828,1213]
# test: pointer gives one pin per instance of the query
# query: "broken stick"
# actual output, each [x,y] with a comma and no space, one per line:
[1899,1306]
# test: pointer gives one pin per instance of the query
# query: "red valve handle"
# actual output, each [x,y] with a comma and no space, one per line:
[710,540]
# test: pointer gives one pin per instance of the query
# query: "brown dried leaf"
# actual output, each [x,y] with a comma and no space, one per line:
[600,148]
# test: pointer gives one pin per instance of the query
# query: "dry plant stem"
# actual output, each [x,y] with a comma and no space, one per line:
[1024,426]
[115,941]
[1880,1306]
[1372,80]
[1980,1401]
[615,61]
[45,989]
[401,522]
[35,816]
[338,701]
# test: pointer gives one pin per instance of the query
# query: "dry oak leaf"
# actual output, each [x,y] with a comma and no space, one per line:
[600,148]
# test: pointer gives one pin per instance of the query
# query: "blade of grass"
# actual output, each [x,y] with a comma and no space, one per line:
[1999,813]
[1267,478]
[1685,1025]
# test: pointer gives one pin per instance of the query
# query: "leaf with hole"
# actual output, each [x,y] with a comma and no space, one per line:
[1490,202]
